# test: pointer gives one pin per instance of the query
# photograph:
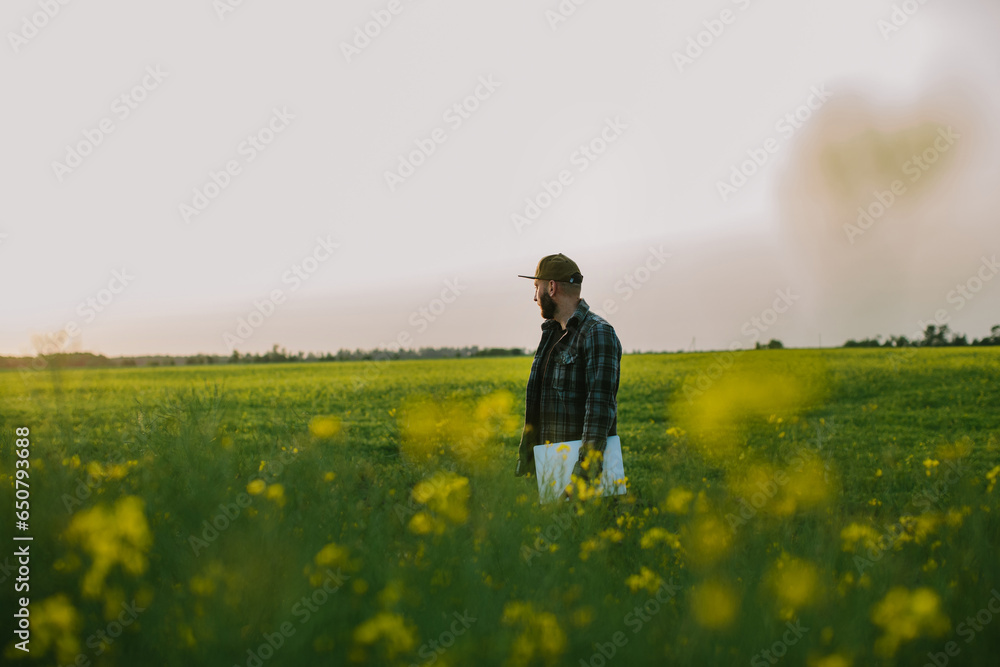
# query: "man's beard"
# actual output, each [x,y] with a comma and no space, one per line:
[548,305]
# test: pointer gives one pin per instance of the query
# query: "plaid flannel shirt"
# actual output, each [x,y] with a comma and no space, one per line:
[575,396]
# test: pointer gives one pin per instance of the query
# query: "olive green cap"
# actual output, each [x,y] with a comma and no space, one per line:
[557,267]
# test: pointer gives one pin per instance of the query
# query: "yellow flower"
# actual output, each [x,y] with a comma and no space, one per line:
[445,493]
[583,617]
[835,660]
[795,582]
[707,540]
[678,500]
[276,492]
[646,579]
[55,622]
[904,615]
[714,605]
[423,523]
[715,413]
[657,535]
[324,426]
[117,535]
[392,629]
[332,555]
[540,635]
[918,528]
[857,532]
[992,477]
[256,487]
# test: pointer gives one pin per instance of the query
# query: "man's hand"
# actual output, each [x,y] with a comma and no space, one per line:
[570,491]
[590,464]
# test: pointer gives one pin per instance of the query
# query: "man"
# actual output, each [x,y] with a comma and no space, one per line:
[573,386]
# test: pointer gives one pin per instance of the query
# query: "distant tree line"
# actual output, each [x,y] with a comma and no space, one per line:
[274,355]
[933,336]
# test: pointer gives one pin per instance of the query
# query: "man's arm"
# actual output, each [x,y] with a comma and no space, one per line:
[526,452]
[603,358]
[529,435]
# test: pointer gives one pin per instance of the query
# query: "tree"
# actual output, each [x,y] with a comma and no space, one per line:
[934,336]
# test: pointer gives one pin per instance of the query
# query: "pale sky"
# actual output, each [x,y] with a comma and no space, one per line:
[311,119]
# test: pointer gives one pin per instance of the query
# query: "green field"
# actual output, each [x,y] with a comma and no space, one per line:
[825,508]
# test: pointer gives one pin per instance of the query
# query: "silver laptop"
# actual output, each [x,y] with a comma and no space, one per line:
[554,467]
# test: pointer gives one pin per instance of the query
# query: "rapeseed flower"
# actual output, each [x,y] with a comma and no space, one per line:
[324,426]
[446,496]
[55,623]
[794,582]
[714,605]
[645,580]
[678,501]
[540,636]
[904,615]
[119,535]
[392,630]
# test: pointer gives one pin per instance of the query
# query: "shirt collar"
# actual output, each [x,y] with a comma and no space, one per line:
[581,312]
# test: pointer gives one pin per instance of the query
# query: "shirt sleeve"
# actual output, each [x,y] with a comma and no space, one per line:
[603,352]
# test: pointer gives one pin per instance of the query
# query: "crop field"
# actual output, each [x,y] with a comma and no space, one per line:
[829,508]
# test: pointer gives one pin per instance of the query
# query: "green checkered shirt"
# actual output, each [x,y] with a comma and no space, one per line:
[573,386]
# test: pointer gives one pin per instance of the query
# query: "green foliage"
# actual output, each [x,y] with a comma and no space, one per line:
[364,504]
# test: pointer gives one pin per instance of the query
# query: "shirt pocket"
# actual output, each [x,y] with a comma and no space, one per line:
[564,370]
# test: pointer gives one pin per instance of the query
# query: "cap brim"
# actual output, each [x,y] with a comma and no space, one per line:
[532,277]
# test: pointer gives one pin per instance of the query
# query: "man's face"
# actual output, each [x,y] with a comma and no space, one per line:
[544,301]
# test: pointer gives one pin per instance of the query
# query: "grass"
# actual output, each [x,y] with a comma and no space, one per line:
[366,513]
